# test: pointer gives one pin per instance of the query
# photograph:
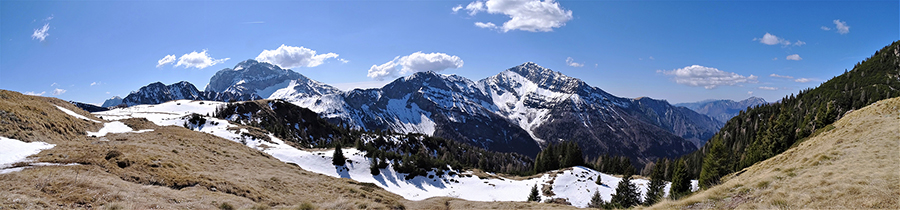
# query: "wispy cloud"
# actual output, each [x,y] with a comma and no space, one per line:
[781,76]
[165,60]
[794,57]
[57,91]
[802,80]
[571,62]
[707,77]
[41,33]
[95,83]
[841,26]
[767,88]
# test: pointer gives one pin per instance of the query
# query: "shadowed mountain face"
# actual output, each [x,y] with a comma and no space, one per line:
[518,110]
[723,110]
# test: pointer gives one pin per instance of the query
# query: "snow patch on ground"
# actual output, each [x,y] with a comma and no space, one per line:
[70,112]
[14,151]
[115,127]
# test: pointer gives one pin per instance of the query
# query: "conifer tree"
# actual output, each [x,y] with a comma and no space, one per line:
[599,180]
[597,201]
[713,164]
[534,194]
[373,167]
[657,184]
[681,183]
[338,159]
[627,194]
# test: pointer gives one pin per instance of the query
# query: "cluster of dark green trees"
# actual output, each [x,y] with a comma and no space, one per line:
[627,194]
[767,130]
[557,156]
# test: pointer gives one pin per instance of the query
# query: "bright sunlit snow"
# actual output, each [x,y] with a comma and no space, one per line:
[70,112]
[115,127]
[13,151]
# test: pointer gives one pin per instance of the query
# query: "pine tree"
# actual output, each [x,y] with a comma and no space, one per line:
[373,167]
[599,180]
[338,159]
[657,184]
[627,194]
[681,184]
[597,201]
[713,164]
[534,194]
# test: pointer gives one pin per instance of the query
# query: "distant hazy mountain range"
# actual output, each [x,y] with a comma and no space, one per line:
[723,110]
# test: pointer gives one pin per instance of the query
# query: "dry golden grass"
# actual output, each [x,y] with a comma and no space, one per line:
[856,165]
[171,168]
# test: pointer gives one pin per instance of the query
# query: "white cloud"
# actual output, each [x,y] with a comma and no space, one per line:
[35,94]
[165,60]
[456,9]
[794,57]
[292,57]
[58,91]
[107,92]
[48,18]
[41,33]
[749,92]
[841,26]
[525,15]
[198,60]
[825,28]
[781,76]
[54,84]
[95,83]
[802,80]
[767,88]
[774,59]
[571,62]
[770,39]
[707,77]
[475,7]
[343,60]
[651,58]
[416,62]
[487,25]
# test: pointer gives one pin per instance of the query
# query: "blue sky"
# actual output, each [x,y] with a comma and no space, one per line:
[681,51]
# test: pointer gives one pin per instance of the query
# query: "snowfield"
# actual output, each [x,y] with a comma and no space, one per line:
[115,127]
[576,184]
[14,151]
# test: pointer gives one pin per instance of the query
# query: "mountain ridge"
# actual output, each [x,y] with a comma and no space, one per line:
[723,109]
[521,109]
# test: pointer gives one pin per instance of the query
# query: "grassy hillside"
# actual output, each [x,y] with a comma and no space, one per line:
[764,131]
[170,167]
[851,164]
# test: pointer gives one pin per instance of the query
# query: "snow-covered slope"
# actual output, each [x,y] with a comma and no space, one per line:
[576,184]
[516,110]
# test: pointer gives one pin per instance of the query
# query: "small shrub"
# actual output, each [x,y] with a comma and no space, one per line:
[226,206]
[306,206]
